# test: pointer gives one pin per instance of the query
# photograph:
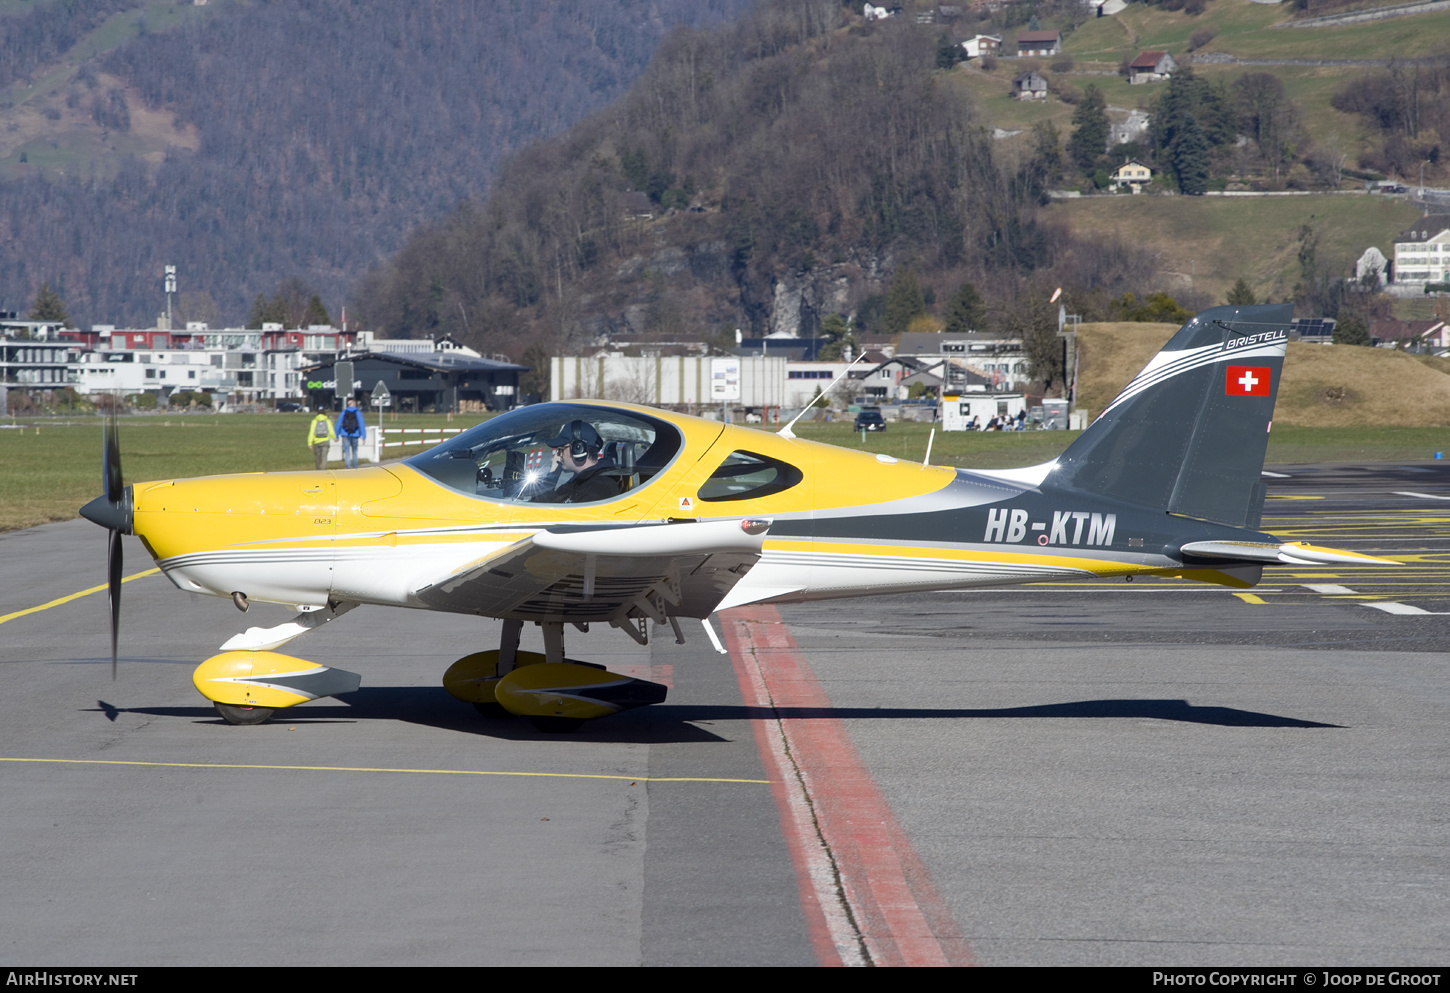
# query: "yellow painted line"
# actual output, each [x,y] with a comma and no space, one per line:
[431,772]
[73,596]
[1250,598]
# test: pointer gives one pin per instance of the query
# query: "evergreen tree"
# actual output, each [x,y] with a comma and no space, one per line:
[1351,329]
[1189,103]
[1190,159]
[1158,308]
[316,313]
[1241,295]
[966,310]
[48,306]
[266,311]
[838,330]
[1090,130]
[903,302]
[948,52]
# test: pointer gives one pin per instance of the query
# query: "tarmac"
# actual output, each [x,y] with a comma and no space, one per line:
[1096,773]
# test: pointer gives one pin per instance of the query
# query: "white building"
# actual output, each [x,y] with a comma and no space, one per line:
[982,44]
[671,380]
[1422,254]
[238,365]
[32,356]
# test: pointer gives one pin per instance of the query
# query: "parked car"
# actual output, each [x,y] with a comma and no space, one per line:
[287,407]
[870,419]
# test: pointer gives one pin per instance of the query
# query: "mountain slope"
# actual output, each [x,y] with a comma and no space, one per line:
[321,131]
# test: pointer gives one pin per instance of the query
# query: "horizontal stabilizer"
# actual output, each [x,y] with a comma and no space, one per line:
[1288,553]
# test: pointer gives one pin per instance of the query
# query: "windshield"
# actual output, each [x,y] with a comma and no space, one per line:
[553,453]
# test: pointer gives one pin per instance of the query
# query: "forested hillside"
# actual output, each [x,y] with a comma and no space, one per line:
[764,175]
[807,171]
[305,137]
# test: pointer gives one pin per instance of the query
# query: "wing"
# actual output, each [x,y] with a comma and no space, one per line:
[619,574]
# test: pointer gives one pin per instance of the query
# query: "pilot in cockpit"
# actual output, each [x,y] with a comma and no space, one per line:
[577,452]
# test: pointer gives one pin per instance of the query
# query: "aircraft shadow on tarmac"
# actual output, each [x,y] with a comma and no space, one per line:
[430,706]
[666,723]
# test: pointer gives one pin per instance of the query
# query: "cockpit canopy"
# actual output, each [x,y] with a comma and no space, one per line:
[510,458]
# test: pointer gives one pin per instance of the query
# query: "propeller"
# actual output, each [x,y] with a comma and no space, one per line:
[112,510]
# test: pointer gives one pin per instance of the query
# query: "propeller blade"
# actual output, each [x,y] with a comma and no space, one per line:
[111,457]
[113,562]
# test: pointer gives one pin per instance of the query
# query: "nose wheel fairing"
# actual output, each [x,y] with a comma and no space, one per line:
[246,682]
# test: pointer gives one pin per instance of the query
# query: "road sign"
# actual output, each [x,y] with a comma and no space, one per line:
[381,396]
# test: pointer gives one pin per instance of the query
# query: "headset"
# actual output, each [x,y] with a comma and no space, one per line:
[583,441]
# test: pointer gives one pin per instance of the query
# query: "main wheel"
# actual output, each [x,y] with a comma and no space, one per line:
[233,714]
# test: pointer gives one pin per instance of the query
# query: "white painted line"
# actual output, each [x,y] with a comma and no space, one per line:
[1422,496]
[1403,608]
[1328,588]
[1274,475]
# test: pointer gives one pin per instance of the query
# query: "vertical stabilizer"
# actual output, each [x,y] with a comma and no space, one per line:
[1188,434]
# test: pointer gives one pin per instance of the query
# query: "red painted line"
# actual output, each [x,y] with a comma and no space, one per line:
[866,894]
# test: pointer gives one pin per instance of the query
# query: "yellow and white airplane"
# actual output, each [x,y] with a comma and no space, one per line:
[586,512]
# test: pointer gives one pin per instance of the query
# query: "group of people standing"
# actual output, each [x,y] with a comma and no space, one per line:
[321,432]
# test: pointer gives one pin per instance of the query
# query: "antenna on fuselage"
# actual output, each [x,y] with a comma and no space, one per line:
[786,431]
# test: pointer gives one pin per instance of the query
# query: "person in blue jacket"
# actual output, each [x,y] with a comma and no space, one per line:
[351,429]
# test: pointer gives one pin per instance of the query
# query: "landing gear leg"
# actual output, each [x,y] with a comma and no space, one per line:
[555,693]
[554,652]
[508,653]
[553,642]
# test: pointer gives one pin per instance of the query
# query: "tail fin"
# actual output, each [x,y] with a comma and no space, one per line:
[1188,434]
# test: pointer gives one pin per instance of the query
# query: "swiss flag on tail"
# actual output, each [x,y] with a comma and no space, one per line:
[1247,381]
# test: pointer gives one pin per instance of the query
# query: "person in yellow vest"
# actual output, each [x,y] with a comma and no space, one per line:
[320,435]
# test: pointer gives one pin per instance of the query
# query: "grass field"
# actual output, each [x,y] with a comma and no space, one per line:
[1208,242]
[1244,31]
[49,468]
[1323,386]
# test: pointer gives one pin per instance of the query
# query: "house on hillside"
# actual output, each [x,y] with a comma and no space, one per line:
[1132,174]
[1039,43]
[637,205]
[1151,67]
[1030,85]
[982,44]
[1394,333]
[1422,254]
